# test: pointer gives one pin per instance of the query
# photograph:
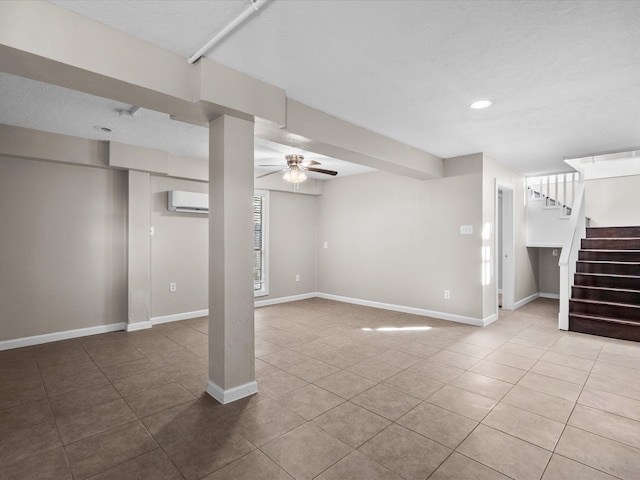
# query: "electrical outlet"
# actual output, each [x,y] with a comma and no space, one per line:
[172,287]
[325,245]
[297,278]
[555,252]
[447,294]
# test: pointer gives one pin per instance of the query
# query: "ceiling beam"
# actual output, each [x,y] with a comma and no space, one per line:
[45,42]
[316,131]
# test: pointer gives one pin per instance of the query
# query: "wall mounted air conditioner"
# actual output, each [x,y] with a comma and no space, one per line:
[188,202]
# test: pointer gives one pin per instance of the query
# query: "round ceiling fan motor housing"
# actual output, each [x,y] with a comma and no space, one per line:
[294,159]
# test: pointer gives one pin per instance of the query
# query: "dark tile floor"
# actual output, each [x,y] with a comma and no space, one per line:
[346,392]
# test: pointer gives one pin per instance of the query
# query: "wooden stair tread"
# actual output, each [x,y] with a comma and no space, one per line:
[610,289]
[605,297]
[619,243]
[614,262]
[607,275]
[609,239]
[613,231]
[605,319]
[599,302]
[607,250]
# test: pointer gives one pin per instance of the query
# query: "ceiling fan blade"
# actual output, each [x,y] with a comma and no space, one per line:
[269,165]
[321,170]
[271,173]
[308,163]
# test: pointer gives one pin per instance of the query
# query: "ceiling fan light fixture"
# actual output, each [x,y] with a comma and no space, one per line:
[294,175]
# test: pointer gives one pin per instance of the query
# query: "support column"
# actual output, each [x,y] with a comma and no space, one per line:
[139,251]
[231,329]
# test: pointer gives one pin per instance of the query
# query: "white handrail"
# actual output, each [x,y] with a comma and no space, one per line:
[553,189]
[569,255]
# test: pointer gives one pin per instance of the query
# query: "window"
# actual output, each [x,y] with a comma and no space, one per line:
[260,243]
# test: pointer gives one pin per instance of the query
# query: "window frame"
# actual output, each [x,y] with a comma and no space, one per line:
[264,291]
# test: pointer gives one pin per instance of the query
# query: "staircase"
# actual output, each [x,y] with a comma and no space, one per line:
[556,190]
[605,298]
[549,206]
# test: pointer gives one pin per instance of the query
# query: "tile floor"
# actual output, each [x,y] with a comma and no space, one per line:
[341,397]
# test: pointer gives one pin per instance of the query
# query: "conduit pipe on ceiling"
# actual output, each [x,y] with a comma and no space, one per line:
[250,10]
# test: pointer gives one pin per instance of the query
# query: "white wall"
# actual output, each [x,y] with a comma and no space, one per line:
[293,221]
[179,248]
[179,251]
[391,239]
[63,247]
[549,271]
[396,240]
[547,227]
[526,261]
[64,244]
[613,202]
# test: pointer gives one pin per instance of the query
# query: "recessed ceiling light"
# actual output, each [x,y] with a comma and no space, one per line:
[103,129]
[479,104]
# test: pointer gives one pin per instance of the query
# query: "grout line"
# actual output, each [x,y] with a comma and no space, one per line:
[566,423]
[387,348]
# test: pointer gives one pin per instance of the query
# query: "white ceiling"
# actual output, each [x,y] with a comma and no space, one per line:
[31,104]
[564,76]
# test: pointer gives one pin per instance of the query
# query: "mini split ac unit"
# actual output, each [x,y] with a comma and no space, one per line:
[188,202]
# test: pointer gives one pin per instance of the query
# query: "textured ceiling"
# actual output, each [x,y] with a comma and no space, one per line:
[31,104]
[564,76]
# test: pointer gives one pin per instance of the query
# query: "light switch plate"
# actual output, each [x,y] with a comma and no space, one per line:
[466,229]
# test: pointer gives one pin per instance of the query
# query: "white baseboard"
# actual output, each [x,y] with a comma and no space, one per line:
[525,300]
[489,320]
[292,298]
[176,317]
[83,332]
[232,394]
[132,327]
[478,322]
[135,326]
[57,336]
[555,296]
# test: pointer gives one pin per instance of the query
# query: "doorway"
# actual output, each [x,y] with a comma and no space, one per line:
[505,246]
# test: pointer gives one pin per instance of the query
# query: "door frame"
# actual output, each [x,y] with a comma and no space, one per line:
[508,244]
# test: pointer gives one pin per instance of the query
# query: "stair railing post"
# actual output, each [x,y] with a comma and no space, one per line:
[569,256]
[564,194]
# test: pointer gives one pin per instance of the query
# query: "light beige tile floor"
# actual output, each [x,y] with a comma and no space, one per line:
[338,400]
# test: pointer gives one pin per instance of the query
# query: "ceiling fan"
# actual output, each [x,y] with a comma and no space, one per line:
[296,166]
